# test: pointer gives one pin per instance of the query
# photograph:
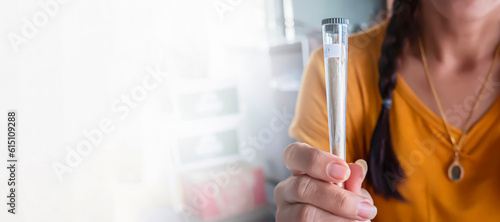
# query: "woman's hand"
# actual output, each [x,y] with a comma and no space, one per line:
[309,193]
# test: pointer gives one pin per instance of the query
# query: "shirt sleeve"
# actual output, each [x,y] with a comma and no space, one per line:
[310,124]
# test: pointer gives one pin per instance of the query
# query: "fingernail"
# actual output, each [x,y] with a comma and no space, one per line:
[363,165]
[367,210]
[338,172]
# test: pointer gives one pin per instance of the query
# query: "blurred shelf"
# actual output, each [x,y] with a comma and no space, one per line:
[207,125]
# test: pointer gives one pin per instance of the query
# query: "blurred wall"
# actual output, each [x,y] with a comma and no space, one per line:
[309,13]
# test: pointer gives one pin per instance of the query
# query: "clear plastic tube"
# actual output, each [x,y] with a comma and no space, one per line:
[335,52]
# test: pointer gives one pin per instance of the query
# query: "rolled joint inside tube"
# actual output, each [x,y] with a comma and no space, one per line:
[335,55]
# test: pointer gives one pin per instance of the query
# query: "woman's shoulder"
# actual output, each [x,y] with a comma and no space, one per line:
[365,46]
[364,53]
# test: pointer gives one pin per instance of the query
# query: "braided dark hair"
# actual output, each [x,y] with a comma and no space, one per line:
[385,169]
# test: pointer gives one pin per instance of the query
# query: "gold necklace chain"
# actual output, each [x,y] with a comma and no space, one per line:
[457,146]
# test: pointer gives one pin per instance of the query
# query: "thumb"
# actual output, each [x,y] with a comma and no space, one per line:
[358,173]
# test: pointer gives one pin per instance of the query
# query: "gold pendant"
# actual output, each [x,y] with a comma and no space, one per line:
[456,170]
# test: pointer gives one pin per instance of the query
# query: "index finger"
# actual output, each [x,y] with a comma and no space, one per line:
[300,157]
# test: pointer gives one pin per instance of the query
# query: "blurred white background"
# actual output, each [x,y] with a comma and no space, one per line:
[182,88]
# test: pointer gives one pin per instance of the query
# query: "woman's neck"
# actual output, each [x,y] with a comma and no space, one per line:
[455,41]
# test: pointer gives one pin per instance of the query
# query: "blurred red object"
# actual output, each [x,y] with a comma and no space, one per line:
[223,191]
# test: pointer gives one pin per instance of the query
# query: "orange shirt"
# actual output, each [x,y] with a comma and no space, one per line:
[419,139]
